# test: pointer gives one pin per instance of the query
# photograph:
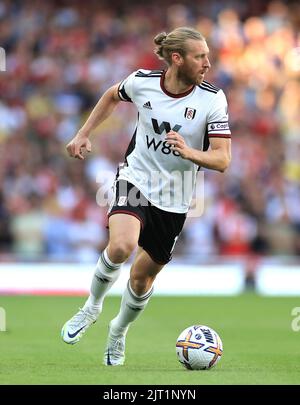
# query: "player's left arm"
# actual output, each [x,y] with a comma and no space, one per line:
[218,157]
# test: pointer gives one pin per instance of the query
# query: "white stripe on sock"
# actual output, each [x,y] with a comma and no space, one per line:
[109,262]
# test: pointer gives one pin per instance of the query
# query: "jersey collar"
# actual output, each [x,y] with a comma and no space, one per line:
[179,95]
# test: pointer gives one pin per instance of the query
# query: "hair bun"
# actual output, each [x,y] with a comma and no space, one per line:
[160,38]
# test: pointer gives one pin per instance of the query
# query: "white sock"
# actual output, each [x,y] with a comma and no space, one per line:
[105,276]
[132,306]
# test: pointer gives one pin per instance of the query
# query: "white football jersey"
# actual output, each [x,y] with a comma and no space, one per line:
[164,178]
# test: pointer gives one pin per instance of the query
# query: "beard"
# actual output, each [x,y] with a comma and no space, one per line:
[185,75]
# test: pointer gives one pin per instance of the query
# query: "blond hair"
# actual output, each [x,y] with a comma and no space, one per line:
[175,41]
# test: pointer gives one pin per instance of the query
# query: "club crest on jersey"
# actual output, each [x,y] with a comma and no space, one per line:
[122,201]
[190,113]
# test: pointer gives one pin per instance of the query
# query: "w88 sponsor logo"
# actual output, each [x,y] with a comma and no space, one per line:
[163,145]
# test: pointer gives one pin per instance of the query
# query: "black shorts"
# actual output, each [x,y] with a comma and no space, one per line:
[159,229]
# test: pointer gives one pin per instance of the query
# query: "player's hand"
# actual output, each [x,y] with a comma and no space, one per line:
[78,145]
[177,143]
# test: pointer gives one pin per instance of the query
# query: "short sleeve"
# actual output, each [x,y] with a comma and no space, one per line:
[217,122]
[125,90]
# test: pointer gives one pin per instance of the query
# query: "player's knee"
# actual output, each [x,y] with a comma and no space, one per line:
[119,251]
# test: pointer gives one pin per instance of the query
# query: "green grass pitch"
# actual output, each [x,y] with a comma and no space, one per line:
[260,346]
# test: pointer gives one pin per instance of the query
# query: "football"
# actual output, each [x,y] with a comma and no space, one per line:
[199,347]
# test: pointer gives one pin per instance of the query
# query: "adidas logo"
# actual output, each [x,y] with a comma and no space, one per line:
[147,105]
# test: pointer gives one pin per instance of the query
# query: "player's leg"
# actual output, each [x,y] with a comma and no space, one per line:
[124,233]
[123,237]
[134,300]
[158,239]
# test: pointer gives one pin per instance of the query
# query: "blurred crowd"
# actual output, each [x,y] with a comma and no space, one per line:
[61,56]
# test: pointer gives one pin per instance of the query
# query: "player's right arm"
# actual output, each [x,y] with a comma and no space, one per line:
[101,111]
